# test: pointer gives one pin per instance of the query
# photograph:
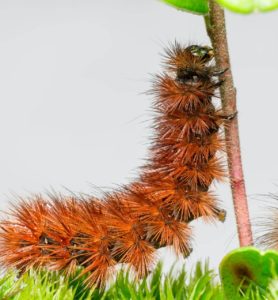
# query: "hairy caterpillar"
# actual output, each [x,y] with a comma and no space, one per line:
[129,224]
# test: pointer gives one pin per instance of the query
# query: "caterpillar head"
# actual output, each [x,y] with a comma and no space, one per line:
[189,64]
[192,64]
[205,53]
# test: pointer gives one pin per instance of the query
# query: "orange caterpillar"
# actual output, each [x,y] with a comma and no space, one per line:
[129,224]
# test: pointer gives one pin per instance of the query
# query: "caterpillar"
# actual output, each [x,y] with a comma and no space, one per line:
[128,224]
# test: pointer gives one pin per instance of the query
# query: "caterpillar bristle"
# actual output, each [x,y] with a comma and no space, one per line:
[128,225]
[266,227]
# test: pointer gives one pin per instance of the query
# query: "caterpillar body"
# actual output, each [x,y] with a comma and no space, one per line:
[129,224]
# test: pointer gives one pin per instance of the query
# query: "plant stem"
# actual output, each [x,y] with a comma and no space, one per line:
[215,24]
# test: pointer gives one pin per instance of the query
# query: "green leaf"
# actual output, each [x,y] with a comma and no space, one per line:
[249,6]
[267,5]
[193,6]
[245,266]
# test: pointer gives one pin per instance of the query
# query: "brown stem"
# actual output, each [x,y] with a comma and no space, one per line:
[215,24]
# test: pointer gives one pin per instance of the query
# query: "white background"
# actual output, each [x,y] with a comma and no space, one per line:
[74,114]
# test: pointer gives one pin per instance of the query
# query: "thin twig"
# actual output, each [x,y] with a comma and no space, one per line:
[215,24]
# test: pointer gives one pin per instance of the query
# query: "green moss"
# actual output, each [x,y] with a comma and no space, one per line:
[200,284]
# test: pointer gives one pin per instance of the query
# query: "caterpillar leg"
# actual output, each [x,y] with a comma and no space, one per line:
[220,72]
[221,215]
[229,117]
[187,254]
